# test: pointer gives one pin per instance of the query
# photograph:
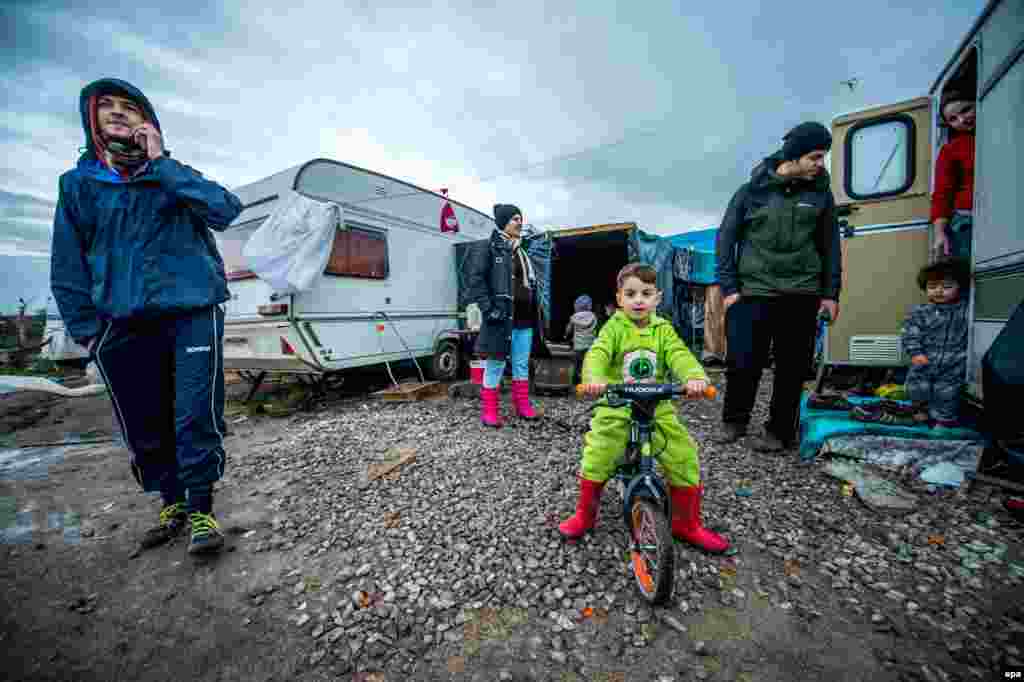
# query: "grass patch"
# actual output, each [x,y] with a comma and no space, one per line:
[8,512]
[720,625]
[485,625]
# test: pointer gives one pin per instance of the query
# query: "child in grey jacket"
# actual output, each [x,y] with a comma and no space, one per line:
[583,328]
[935,338]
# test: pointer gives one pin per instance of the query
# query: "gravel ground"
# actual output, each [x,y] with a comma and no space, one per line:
[470,525]
[451,566]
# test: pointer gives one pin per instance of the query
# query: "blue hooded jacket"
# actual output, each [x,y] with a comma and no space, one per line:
[135,247]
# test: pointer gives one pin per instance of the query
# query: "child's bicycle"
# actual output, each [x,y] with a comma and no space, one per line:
[646,506]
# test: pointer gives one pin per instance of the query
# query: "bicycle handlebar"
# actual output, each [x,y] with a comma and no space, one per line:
[649,391]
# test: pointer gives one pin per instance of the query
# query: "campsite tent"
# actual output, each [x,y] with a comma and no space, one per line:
[575,261]
[698,314]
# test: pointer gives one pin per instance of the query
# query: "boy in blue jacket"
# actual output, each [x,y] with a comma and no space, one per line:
[139,281]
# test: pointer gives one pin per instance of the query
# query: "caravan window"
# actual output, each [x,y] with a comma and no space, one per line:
[880,157]
[231,242]
[359,252]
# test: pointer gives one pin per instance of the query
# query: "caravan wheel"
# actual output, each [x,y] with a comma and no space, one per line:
[446,361]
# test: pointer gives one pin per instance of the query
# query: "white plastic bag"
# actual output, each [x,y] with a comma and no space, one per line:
[92,373]
[290,250]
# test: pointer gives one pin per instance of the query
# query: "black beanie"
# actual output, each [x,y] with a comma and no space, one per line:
[504,213]
[804,139]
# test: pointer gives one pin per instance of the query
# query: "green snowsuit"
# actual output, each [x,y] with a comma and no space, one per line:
[625,353]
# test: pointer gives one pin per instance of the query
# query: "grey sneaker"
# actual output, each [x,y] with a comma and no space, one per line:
[172,521]
[731,432]
[769,442]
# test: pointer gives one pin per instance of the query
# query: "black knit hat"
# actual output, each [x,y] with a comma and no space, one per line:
[806,138]
[504,213]
[956,269]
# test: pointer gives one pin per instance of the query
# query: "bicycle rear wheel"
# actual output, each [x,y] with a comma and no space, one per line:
[652,551]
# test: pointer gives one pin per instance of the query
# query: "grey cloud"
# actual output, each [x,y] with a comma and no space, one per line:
[26,220]
[246,89]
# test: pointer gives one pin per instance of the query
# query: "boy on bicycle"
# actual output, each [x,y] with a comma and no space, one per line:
[636,345]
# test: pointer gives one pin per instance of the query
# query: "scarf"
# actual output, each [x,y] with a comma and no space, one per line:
[520,253]
[123,157]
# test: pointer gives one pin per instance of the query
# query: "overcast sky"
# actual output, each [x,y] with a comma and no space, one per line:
[514,102]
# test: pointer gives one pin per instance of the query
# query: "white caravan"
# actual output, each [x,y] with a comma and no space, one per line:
[389,290]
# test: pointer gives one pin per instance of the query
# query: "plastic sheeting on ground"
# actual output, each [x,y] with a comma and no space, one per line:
[818,426]
[941,462]
[873,490]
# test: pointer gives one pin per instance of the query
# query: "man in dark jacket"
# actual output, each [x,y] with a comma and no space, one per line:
[139,282]
[501,282]
[779,263]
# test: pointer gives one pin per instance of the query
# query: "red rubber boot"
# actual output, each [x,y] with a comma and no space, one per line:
[489,414]
[521,399]
[576,526]
[686,523]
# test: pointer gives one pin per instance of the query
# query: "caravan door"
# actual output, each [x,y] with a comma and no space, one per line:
[881,168]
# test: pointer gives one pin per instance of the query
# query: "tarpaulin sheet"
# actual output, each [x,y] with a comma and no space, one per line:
[659,253]
[538,248]
[695,257]
[944,462]
[817,426]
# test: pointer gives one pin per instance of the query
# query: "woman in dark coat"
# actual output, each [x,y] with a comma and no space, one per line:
[502,284]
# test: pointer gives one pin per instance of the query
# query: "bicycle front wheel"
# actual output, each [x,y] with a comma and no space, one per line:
[653,551]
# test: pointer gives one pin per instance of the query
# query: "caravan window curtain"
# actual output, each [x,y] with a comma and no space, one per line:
[359,252]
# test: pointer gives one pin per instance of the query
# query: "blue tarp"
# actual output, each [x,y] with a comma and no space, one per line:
[659,253]
[701,240]
[700,262]
[539,248]
[817,426]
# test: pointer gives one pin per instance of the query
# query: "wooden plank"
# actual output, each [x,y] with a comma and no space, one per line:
[591,229]
[377,470]
[411,391]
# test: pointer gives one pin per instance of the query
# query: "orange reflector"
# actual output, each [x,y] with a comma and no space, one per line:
[640,570]
[286,348]
[273,309]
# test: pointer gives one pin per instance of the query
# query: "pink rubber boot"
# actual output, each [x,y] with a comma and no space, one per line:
[489,414]
[521,399]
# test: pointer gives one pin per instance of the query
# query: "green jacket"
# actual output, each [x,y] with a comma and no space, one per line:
[780,236]
[624,350]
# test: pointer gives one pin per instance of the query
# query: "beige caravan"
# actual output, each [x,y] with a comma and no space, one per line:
[882,162]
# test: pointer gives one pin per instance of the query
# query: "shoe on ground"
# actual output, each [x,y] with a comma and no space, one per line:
[731,433]
[828,401]
[891,419]
[865,413]
[171,522]
[206,534]
[769,442]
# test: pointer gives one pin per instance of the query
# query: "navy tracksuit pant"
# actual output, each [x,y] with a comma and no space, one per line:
[165,377]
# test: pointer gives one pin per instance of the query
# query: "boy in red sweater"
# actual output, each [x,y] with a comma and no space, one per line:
[953,198]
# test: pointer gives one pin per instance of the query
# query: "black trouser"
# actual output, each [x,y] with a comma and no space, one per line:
[577,370]
[787,324]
